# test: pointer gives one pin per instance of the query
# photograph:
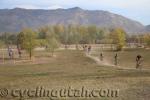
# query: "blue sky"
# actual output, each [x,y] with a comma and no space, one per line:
[135,9]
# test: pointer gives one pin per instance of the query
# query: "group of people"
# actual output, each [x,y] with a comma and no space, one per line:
[87,48]
[11,52]
[139,60]
[115,58]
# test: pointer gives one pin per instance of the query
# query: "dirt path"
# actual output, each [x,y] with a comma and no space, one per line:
[97,60]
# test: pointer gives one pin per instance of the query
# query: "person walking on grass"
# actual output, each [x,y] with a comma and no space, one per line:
[89,49]
[116,59]
[101,56]
[19,51]
[139,60]
[10,53]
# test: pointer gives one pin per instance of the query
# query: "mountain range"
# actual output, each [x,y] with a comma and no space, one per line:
[14,20]
[147,28]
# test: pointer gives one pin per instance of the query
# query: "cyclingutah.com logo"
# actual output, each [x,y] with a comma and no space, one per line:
[3,92]
[63,93]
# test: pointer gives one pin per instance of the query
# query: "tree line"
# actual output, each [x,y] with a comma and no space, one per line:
[51,37]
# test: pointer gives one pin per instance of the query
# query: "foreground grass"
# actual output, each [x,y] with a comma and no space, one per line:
[73,68]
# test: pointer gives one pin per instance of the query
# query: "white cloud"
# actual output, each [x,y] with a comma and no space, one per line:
[27,6]
[38,7]
[123,4]
[54,7]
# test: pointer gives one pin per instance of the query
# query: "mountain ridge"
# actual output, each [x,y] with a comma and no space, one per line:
[14,20]
[147,28]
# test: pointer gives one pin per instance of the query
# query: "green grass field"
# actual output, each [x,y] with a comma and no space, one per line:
[73,68]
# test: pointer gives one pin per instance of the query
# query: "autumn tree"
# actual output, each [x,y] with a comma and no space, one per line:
[27,40]
[1,44]
[83,32]
[118,37]
[51,41]
[42,32]
[92,33]
[99,35]
[5,38]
